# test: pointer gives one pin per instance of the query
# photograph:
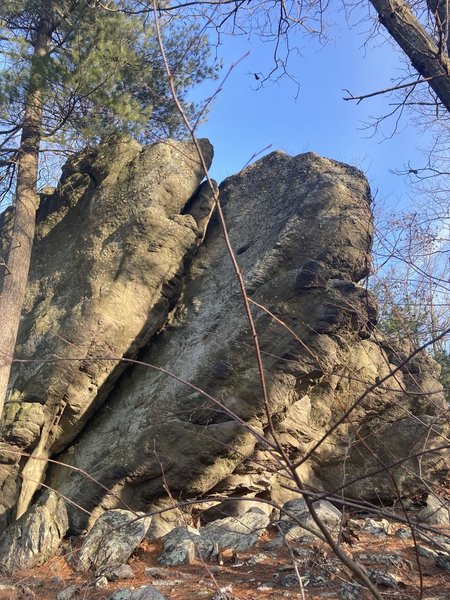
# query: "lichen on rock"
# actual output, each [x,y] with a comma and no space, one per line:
[116,272]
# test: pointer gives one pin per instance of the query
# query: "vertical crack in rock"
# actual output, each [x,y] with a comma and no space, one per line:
[107,265]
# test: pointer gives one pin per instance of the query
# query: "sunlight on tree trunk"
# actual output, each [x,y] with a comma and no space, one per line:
[26,202]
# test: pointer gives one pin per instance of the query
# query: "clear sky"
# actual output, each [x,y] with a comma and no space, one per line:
[244,120]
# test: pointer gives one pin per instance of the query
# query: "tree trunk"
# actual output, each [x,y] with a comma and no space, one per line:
[429,60]
[26,202]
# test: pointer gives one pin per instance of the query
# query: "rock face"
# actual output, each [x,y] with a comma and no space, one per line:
[157,428]
[110,249]
[189,418]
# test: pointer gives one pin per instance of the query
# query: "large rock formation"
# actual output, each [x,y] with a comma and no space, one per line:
[109,264]
[110,250]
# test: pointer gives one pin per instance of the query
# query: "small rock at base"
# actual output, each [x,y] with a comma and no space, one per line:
[147,592]
[5,587]
[69,593]
[385,579]
[101,582]
[443,561]
[223,595]
[154,573]
[265,587]
[436,512]
[379,528]
[254,560]
[426,552]
[350,591]
[119,572]
[403,534]
[111,541]
[181,546]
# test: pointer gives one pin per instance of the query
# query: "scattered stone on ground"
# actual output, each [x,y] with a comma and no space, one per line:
[390,561]
[154,573]
[350,591]
[384,578]
[443,561]
[426,552]
[101,582]
[68,593]
[403,533]
[377,527]
[147,592]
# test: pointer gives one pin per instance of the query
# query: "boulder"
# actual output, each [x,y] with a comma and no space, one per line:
[36,536]
[181,546]
[297,524]
[111,541]
[236,533]
[436,512]
[192,441]
[302,230]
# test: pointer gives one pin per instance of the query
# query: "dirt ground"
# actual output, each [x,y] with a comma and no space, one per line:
[259,573]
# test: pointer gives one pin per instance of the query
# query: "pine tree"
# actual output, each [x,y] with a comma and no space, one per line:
[73,72]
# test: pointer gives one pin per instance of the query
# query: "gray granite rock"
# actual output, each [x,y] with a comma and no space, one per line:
[111,541]
[118,572]
[295,514]
[69,593]
[181,546]
[426,552]
[384,578]
[237,533]
[442,560]
[36,536]
[387,560]
[147,592]
[350,591]
[378,527]
[436,511]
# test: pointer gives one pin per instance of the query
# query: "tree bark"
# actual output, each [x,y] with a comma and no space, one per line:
[26,202]
[439,9]
[423,51]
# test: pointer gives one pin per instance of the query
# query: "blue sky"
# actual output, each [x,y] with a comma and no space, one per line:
[244,120]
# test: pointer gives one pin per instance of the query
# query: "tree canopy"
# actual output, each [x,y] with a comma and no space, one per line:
[101,71]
